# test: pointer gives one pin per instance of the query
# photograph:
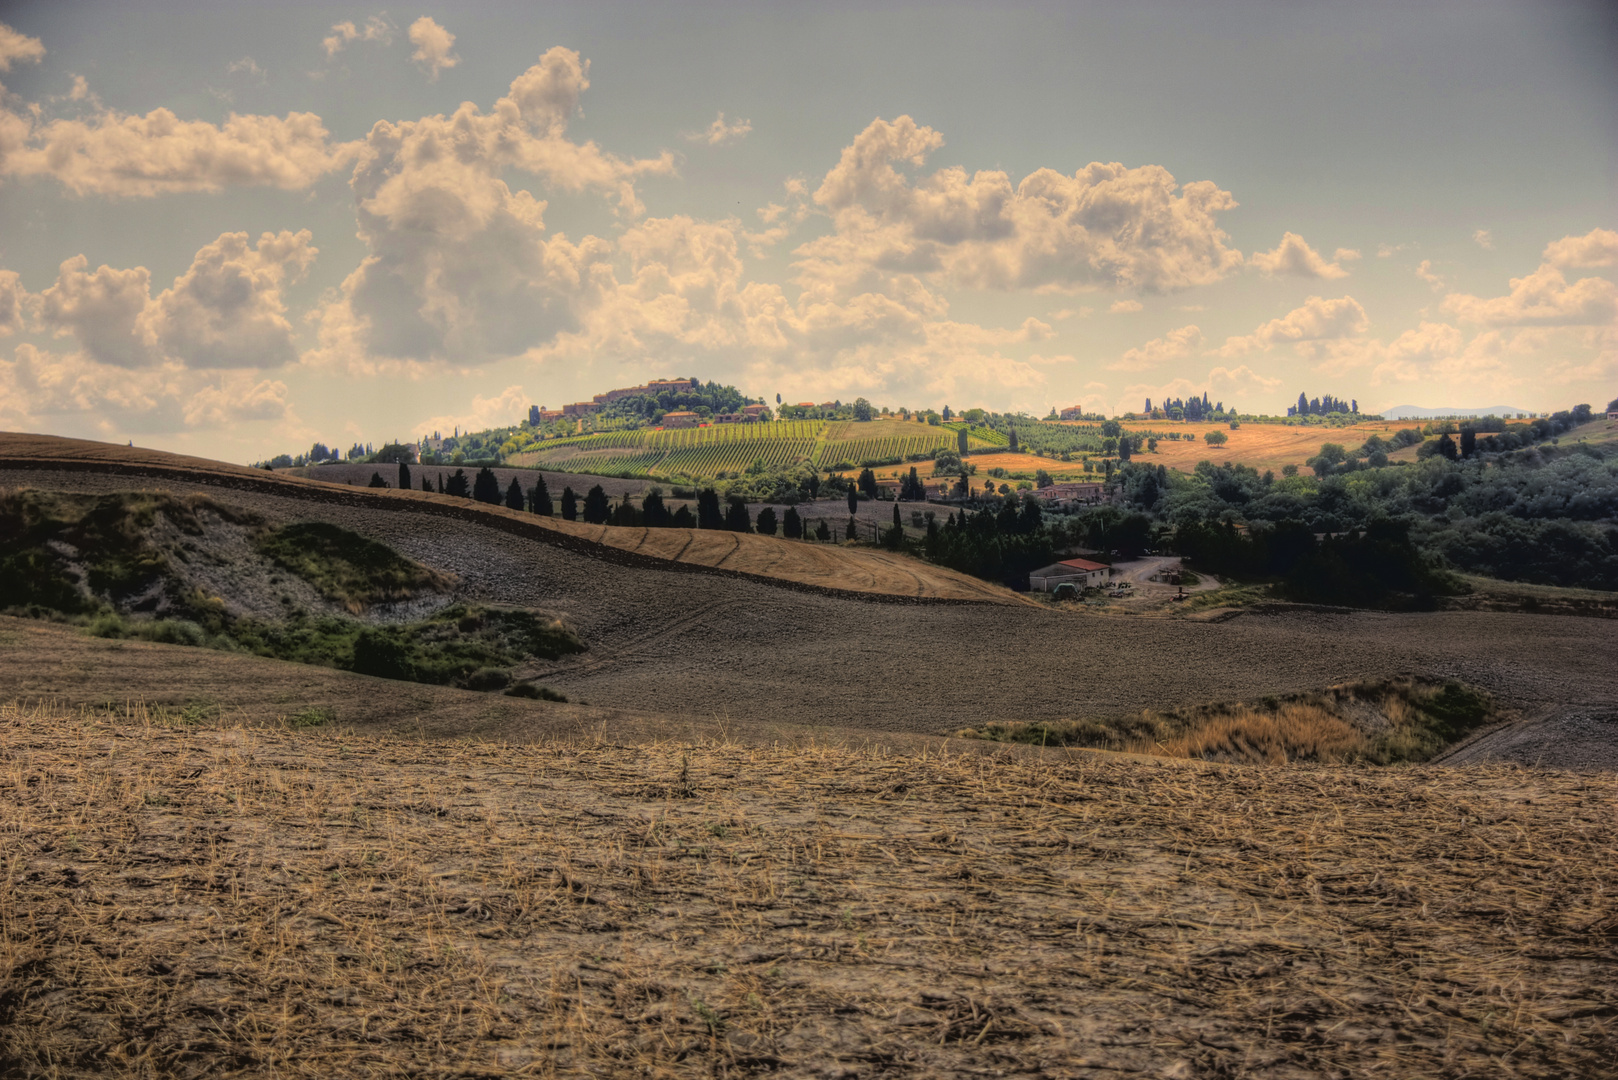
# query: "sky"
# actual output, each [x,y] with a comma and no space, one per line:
[234,229]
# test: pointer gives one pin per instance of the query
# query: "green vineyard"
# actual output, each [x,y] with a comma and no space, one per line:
[733,448]
[982,434]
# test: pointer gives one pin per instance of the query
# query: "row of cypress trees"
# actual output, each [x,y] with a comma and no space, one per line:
[597,509]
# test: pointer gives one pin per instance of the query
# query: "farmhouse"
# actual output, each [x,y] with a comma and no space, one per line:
[680,419]
[1080,572]
[580,408]
[1072,491]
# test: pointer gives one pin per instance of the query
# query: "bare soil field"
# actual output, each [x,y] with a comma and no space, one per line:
[185,900]
[663,638]
[72,464]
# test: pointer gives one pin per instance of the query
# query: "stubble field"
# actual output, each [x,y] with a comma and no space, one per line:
[187,900]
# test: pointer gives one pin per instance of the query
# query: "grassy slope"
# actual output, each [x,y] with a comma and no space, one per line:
[185,900]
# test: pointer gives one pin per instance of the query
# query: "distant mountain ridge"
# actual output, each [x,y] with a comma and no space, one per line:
[1422,412]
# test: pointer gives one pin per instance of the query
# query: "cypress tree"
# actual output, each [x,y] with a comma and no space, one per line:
[458,485]
[486,487]
[791,524]
[377,481]
[1013,445]
[766,521]
[539,499]
[595,506]
[1123,446]
[514,496]
[426,484]
[737,519]
[852,532]
[822,531]
[960,439]
[404,477]
[709,516]
[654,510]
[1469,442]
[683,520]
[896,522]
[853,502]
[441,483]
[570,505]
[1446,446]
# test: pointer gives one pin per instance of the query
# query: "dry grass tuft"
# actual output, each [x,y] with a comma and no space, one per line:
[186,899]
[1379,723]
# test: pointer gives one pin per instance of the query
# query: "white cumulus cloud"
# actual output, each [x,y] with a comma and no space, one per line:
[17,47]
[1317,320]
[460,265]
[1596,248]
[119,155]
[1293,256]
[1174,345]
[722,131]
[1106,226]
[225,311]
[345,33]
[14,301]
[38,387]
[433,44]
[1543,298]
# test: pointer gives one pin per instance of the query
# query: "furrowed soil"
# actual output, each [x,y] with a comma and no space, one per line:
[78,465]
[185,900]
[665,637]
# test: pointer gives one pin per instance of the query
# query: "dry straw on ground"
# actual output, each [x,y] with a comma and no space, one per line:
[183,899]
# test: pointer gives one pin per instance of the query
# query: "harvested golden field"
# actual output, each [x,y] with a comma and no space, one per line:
[1259,446]
[766,557]
[1012,463]
[187,900]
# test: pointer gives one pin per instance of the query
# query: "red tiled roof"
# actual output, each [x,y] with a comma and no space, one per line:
[1083,564]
